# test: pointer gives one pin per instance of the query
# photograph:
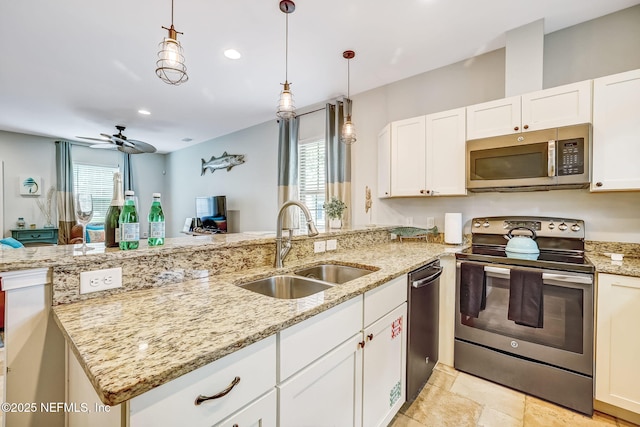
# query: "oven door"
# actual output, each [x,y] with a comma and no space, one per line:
[566,338]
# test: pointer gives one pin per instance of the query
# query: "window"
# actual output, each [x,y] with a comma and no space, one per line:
[97,180]
[311,179]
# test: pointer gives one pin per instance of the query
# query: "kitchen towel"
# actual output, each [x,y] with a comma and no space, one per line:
[453,228]
[525,298]
[473,289]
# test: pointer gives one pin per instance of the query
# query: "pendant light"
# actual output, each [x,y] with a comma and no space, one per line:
[348,134]
[286,107]
[171,68]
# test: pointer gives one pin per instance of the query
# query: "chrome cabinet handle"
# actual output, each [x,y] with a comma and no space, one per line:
[200,399]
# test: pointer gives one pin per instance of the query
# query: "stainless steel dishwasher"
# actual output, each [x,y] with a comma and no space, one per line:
[422,328]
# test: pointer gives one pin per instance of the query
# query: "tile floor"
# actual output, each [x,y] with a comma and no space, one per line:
[455,399]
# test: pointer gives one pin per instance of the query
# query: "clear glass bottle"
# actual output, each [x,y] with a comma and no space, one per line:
[129,223]
[112,220]
[21,223]
[156,222]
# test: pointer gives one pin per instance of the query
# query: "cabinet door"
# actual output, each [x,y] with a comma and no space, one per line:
[499,117]
[618,342]
[384,366]
[616,126]
[261,413]
[408,167]
[384,162]
[446,138]
[327,392]
[559,106]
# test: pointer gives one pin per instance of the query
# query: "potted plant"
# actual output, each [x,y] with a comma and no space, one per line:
[334,209]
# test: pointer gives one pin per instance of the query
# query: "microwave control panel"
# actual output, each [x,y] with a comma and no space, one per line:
[571,157]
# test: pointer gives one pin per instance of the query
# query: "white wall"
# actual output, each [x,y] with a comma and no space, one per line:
[28,154]
[250,188]
[570,55]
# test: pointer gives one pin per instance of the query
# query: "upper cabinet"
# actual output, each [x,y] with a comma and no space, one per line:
[423,156]
[559,106]
[616,126]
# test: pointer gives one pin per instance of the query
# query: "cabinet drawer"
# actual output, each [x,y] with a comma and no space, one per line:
[261,413]
[173,403]
[26,236]
[383,299]
[305,342]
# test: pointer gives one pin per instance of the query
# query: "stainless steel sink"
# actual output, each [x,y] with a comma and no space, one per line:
[333,273]
[286,286]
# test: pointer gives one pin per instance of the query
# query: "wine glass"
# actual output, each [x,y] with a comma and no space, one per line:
[84,213]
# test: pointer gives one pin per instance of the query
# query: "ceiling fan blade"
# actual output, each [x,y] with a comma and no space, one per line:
[107,146]
[107,136]
[142,146]
[129,150]
[94,139]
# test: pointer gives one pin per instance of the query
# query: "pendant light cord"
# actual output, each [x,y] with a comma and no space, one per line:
[286,49]
[172,13]
[348,79]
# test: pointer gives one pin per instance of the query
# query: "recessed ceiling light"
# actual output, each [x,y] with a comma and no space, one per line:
[232,54]
[144,112]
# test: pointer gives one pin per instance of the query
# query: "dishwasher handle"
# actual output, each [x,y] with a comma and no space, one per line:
[425,281]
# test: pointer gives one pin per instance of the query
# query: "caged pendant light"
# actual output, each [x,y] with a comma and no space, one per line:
[170,64]
[348,134]
[286,107]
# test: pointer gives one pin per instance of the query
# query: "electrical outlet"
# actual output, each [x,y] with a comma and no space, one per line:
[319,246]
[100,280]
[408,220]
[332,245]
[145,234]
[430,222]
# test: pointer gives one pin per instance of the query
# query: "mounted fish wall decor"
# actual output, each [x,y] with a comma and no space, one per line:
[226,161]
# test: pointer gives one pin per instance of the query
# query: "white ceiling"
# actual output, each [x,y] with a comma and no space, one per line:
[79,67]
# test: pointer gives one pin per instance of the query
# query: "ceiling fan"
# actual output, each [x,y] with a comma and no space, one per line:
[121,142]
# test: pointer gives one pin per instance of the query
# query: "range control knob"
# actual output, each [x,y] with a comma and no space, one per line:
[486,224]
[563,227]
[575,227]
[551,226]
[477,224]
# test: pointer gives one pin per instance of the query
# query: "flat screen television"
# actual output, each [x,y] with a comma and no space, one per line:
[211,211]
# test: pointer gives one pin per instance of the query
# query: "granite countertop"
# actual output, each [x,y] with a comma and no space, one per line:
[132,342]
[629,266]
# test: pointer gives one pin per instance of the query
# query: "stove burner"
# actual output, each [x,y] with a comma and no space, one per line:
[548,259]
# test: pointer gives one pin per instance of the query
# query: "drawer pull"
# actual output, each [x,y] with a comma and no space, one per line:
[200,399]
[370,337]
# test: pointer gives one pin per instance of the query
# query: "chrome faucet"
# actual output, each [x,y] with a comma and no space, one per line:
[283,250]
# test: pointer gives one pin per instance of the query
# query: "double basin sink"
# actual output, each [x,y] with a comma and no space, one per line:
[305,281]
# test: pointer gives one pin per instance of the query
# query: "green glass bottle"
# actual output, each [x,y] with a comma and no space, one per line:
[129,223]
[156,222]
[112,220]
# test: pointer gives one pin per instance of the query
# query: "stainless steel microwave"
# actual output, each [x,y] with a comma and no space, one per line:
[539,160]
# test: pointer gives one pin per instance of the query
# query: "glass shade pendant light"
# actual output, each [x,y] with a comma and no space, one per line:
[286,106]
[348,134]
[170,64]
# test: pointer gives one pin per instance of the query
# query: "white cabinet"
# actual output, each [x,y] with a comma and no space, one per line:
[617,341]
[616,126]
[384,368]
[427,156]
[559,106]
[408,156]
[326,393]
[384,167]
[261,413]
[247,374]
[34,348]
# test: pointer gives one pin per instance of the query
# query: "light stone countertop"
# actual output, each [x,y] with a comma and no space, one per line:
[629,266]
[132,342]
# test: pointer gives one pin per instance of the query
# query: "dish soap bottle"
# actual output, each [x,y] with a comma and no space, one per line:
[129,223]
[156,222]
[111,221]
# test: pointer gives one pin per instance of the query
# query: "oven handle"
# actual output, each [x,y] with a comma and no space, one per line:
[582,280]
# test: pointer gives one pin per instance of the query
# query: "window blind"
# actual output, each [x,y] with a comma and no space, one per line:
[98,181]
[311,179]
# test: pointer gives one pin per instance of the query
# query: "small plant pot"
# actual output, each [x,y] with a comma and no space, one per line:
[335,223]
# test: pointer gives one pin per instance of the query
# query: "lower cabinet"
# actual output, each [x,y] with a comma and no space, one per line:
[343,367]
[618,342]
[326,393]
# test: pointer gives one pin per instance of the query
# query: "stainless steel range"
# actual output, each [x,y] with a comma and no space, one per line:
[526,320]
